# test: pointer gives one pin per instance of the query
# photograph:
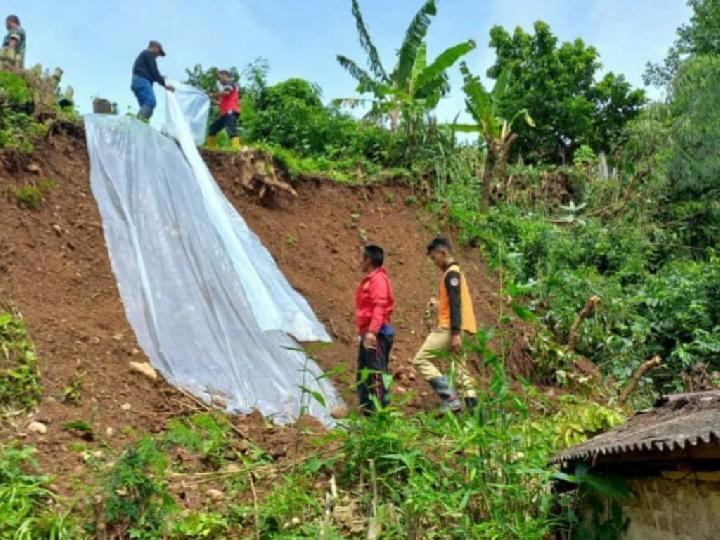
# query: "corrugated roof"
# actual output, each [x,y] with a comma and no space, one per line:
[677,422]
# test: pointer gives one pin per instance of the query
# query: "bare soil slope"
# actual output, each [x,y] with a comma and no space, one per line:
[54,268]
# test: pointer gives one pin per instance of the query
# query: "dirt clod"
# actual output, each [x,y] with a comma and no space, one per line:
[144,369]
[37,427]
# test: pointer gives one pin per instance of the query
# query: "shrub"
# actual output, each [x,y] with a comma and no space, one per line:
[137,502]
[19,380]
[18,129]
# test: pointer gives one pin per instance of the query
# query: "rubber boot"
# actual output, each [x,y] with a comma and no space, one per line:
[449,401]
[145,113]
[471,404]
[235,143]
[212,141]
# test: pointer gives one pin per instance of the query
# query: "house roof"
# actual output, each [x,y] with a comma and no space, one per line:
[677,422]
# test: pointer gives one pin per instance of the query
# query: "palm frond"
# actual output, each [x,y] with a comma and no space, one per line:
[419,66]
[412,41]
[501,85]
[366,43]
[466,128]
[479,102]
[434,77]
[365,81]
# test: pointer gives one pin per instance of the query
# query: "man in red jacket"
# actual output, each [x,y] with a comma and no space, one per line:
[228,99]
[375,303]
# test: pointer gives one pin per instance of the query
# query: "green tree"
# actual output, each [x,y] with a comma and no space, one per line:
[556,83]
[694,167]
[414,86]
[496,132]
[700,36]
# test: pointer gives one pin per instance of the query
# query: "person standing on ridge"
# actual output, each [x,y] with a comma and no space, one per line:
[455,318]
[14,42]
[144,74]
[228,96]
[374,303]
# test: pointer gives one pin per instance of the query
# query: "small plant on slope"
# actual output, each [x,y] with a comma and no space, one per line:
[19,381]
[26,502]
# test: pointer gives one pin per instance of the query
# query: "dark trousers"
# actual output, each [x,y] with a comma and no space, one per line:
[228,121]
[372,363]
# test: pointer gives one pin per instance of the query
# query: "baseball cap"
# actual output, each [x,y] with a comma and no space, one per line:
[157,44]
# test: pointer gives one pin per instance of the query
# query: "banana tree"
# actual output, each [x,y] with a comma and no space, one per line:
[496,132]
[414,86]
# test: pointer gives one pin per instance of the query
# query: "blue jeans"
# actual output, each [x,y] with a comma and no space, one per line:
[143,90]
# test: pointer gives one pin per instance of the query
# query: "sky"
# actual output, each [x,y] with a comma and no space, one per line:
[95,42]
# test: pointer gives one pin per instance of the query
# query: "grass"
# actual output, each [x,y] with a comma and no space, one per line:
[32,196]
[19,379]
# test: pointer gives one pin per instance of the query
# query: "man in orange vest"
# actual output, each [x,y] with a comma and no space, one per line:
[455,318]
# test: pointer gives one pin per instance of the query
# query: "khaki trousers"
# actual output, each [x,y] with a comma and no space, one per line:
[438,345]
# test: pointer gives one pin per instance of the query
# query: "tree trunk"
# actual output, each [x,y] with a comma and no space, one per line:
[504,156]
[488,173]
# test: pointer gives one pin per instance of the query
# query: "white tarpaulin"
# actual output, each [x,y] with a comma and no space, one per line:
[206,300]
[195,106]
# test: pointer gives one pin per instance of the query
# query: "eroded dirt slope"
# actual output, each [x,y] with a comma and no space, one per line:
[54,268]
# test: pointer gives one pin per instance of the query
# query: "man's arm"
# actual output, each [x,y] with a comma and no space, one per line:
[452,284]
[13,41]
[380,297]
[151,63]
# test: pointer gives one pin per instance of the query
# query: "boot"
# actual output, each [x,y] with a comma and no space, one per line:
[211,141]
[471,404]
[235,143]
[145,113]
[449,401]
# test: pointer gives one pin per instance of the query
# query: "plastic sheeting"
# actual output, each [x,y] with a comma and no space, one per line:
[195,106]
[206,300]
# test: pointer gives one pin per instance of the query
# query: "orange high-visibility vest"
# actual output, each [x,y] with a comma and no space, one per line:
[468,323]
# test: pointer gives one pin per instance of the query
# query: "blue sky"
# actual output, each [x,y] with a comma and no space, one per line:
[95,42]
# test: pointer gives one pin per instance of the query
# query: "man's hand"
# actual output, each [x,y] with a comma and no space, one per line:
[456,344]
[370,341]
[169,87]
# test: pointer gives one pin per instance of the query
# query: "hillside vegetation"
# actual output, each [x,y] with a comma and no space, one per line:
[596,210]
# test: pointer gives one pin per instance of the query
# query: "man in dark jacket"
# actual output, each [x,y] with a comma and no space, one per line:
[374,304]
[144,74]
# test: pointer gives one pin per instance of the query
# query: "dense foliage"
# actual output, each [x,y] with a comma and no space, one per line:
[557,84]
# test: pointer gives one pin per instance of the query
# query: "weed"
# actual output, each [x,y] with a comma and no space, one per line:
[26,501]
[82,428]
[290,240]
[72,391]
[411,200]
[363,234]
[31,196]
[389,197]
[136,499]
[19,379]
[206,433]
[201,525]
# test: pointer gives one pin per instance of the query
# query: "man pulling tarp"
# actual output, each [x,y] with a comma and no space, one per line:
[144,74]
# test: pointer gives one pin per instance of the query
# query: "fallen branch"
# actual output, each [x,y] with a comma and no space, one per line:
[639,374]
[590,306]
